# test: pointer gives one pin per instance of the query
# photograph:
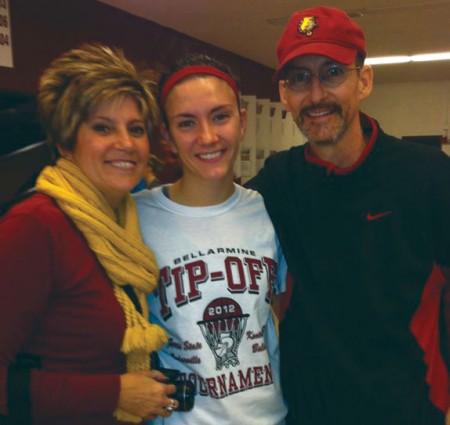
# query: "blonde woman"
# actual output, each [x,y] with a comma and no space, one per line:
[74,335]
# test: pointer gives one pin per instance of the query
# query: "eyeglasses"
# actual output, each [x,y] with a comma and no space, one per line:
[299,79]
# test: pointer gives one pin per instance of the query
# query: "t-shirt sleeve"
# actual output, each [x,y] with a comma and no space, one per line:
[280,283]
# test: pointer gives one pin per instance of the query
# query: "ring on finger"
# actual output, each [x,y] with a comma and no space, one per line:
[171,406]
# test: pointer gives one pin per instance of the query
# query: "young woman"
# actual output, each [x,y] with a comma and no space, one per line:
[219,258]
[74,348]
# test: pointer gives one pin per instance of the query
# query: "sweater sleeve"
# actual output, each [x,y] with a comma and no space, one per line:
[27,285]
[56,394]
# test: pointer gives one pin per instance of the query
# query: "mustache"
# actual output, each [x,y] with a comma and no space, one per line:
[330,106]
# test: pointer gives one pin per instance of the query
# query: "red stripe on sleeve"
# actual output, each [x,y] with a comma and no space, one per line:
[425,327]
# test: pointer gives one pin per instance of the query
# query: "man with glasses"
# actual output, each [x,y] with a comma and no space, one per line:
[364,221]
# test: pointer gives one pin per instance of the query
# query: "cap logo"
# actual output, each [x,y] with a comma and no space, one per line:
[307,25]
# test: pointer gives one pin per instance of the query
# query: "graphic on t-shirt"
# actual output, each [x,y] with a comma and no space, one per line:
[182,284]
[222,326]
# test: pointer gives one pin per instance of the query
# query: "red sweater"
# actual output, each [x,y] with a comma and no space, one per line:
[57,303]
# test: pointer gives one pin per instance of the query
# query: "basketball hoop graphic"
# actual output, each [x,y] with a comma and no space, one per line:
[222,326]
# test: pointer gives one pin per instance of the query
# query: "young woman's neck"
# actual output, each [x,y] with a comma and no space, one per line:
[201,193]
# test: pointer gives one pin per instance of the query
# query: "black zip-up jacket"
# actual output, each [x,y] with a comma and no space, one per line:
[365,338]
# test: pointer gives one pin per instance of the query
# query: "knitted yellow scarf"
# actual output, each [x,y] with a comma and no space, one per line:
[120,250]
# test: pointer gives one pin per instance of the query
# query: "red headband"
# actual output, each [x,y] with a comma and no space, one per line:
[192,70]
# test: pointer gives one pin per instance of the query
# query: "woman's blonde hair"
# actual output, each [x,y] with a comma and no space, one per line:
[78,81]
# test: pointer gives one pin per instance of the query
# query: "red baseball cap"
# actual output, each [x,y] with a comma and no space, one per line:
[324,31]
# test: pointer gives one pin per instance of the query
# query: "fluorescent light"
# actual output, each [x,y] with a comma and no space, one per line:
[385,60]
[431,57]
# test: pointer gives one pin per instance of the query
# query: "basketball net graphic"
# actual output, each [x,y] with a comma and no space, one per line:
[222,326]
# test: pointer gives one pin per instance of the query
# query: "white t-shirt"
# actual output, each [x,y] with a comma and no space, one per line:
[219,266]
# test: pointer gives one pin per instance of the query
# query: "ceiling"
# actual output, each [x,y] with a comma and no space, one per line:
[251,28]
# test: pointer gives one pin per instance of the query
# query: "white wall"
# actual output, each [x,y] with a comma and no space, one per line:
[411,109]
